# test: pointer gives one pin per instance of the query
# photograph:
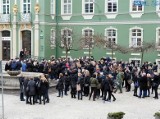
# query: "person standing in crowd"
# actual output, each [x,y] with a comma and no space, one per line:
[24,66]
[127,79]
[43,88]
[155,84]
[26,89]
[119,79]
[32,90]
[94,84]
[60,85]
[66,83]
[21,82]
[8,66]
[143,85]
[148,84]
[99,78]
[74,77]
[86,82]
[80,86]
[21,55]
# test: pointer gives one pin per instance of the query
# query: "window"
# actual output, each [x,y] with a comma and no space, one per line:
[66,38]
[53,39]
[137,5]
[5,6]
[136,37]
[26,6]
[52,8]
[88,6]
[111,6]
[111,36]
[157,4]
[137,8]
[158,37]
[135,61]
[67,7]
[88,38]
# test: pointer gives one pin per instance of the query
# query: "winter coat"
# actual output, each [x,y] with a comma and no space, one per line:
[60,85]
[108,85]
[93,82]
[44,85]
[31,88]
[143,83]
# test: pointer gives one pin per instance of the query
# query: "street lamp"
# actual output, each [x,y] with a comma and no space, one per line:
[2,89]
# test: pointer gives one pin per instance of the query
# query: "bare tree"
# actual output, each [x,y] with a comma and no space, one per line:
[142,48]
[66,41]
[115,47]
[89,42]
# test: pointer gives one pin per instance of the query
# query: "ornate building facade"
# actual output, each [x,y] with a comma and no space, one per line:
[38,27]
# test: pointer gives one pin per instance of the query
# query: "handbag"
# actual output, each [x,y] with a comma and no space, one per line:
[78,87]
[129,81]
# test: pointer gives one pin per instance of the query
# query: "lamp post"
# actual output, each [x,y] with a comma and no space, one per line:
[2,89]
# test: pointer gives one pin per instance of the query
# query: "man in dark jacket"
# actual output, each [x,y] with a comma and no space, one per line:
[32,90]
[21,55]
[143,85]
[155,84]
[21,82]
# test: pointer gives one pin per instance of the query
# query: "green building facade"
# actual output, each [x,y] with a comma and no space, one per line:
[38,26]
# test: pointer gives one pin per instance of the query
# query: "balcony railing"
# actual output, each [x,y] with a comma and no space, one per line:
[25,17]
[4,18]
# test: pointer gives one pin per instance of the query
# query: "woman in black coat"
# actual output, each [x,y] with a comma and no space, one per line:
[32,90]
[143,85]
[60,85]
[86,83]
[43,88]
[155,84]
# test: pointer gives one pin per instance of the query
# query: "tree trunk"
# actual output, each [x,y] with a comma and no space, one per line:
[142,58]
[66,54]
[89,52]
[112,53]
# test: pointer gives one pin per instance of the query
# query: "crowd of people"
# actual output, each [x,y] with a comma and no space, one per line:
[87,77]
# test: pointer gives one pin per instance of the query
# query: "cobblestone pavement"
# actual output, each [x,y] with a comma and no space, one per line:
[67,108]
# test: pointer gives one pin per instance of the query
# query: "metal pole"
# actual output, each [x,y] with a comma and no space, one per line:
[2,89]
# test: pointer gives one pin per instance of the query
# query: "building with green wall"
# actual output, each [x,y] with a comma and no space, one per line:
[38,27]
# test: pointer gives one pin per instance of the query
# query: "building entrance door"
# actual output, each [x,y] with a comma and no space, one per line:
[26,42]
[5,50]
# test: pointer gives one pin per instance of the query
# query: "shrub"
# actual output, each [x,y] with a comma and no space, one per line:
[116,115]
[157,114]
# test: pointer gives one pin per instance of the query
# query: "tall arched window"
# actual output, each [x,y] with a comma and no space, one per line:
[66,37]
[88,37]
[136,37]
[111,36]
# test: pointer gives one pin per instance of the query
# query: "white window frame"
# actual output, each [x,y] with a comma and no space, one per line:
[87,15]
[137,13]
[27,11]
[68,37]
[1,3]
[106,34]
[83,35]
[158,38]
[111,15]
[158,7]
[130,39]
[158,68]
[53,38]
[53,8]
[66,16]
[131,59]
